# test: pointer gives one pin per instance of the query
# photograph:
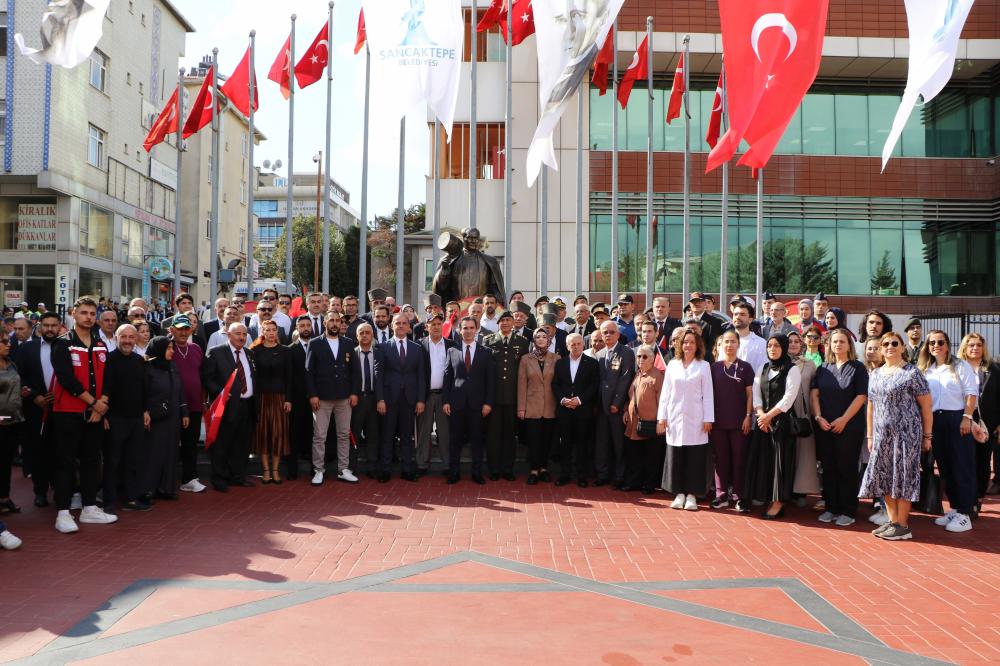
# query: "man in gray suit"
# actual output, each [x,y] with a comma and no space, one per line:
[617,363]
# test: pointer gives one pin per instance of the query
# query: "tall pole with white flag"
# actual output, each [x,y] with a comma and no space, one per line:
[363,242]
[760,237]
[686,273]
[543,280]
[326,174]
[579,188]
[291,155]
[614,169]
[251,176]
[508,190]
[177,191]
[724,260]
[650,255]
[216,131]
[473,161]
[400,214]
[435,250]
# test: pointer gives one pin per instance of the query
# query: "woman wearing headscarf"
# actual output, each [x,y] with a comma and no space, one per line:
[806,316]
[166,414]
[806,473]
[836,318]
[771,459]
[536,404]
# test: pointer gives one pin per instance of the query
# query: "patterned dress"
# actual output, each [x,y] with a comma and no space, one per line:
[897,433]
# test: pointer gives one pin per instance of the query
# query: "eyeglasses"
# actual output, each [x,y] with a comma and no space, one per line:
[812,337]
[265,309]
[936,343]
[891,343]
[284,302]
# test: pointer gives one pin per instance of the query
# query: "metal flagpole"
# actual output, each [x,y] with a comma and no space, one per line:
[508,193]
[251,179]
[543,281]
[724,266]
[291,155]
[686,287]
[177,191]
[363,242]
[216,130]
[435,250]
[400,216]
[614,170]
[579,189]
[326,175]
[650,255]
[760,237]
[473,161]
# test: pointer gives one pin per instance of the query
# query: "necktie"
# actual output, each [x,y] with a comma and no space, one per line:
[468,358]
[402,351]
[384,337]
[241,373]
[367,374]
[317,331]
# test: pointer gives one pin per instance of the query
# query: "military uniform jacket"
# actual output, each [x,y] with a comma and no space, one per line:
[507,358]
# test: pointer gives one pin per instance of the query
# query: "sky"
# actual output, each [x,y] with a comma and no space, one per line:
[226,24]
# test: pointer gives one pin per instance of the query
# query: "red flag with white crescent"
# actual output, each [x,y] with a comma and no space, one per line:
[677,92]
[359,41]
[166,124]
[281,69]
[237,86]
[522,22]
[311,66]
[603,62]
[637,70]
[715,120]
[201,111]
[213,417]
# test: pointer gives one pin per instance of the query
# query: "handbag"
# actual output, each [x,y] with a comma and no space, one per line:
[980,432]
[930,486]
[800,426]
[646,428]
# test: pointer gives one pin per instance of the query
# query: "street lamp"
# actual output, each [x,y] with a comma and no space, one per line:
[318,159]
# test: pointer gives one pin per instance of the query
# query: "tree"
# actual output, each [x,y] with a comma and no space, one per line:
[884,276]
[382,241]
[344,257]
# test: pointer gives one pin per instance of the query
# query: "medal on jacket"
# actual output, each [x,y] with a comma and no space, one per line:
[616,363]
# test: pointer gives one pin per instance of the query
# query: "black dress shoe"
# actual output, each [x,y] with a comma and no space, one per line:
[532,479]
[221,487]
[165,496]
[384,477]
[544,476]
[600,482]
[422,471]
[774,516]
[245,483]
[494,476]
[509,476]
[408,476]
[41,501]
[478,478]
[619,485]
[136,505]
[562,481]
[582,483]
[452,479]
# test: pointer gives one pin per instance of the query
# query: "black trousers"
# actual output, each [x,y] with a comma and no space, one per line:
[10,436]
[641,458]
[76,440]
[400,417]
[576,433]
[231,449]
[365,426]
[189,448]
[466,427]
[984,455]
[37,450]
[840,455]
[125,459]
[539,434]
[300,446]
[501,439]
[609,455]
[956,458]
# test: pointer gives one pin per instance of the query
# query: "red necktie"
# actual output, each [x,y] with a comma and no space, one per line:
[468,358]
[241,373]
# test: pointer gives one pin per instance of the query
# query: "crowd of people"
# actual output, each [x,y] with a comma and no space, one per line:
[106,408]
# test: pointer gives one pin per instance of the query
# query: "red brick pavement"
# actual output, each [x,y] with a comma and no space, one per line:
[938,596]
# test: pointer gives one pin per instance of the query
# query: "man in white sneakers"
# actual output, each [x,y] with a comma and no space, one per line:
[7,540]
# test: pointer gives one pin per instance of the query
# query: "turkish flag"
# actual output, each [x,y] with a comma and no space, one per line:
[494,15]
[715,120]
[237,86]
[522,23]
[677,92]
[603,62]
[213,416]
[359,41]
[772,50]
[639,69]
[310,68]
[166,123]
[281,70]
[201,111]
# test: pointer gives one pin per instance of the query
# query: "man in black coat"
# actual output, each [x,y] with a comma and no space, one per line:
[432,307]
[365,419]
[468,399]
[34,364]
[501,442]
[574,385]
[617,363]
[301,416]
[400,391]
[231,449]
[212,325]
[328,383]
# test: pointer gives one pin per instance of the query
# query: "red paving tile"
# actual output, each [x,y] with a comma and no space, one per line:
[935,595]
[767,603]
[471,572]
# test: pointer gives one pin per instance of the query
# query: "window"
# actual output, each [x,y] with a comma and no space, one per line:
[265,208]
[244,146]
[208,228]
[95,146]
[94,283]
[243,192]
[158,243]
[243,240]
[96,231]
[3,33]
[132,243]
[3,123]
[490,46]
[454,158]
[98,70]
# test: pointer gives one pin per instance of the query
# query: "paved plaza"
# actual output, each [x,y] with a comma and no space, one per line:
[429,573]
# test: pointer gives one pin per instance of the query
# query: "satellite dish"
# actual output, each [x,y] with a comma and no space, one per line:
[277,164]
[267,164]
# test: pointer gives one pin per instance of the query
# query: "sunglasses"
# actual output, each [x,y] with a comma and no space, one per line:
[891,343]
[812,337]
[265,309]
[936,343]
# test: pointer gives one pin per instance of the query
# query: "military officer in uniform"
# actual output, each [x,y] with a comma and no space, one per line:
[508,347]
[522,320]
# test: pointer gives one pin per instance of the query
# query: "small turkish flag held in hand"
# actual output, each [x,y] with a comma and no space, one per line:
[281,69]
[639,69]
[201,111]
[310,68]
[165,124]
[237,86]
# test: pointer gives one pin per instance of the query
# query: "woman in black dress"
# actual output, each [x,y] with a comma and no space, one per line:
[168,413]
[273,384]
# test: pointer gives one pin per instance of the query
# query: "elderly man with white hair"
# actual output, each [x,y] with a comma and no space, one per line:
[125,447]
[617,368]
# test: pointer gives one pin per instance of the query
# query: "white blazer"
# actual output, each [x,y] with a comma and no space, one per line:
[686,402]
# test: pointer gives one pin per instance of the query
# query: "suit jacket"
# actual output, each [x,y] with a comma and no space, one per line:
[617,369]
[208,327]
[989,397]
[253,332]
[425,344]
[561,347]
[456,336]
[329,378]
[508,359]
[29,366]
[534,387]
[402,379]
[299,390]
[588,378]
[586,329]
[358,369]
[215,372]
[474,388]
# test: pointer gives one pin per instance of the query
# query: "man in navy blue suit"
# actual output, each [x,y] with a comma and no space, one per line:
[329,360]
[469,387]
[34,363]
[401,391]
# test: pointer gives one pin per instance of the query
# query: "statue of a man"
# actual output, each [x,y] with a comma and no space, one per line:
[468,273]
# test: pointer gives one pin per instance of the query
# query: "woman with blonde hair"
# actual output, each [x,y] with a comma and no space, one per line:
[644,444]
[273,385]
[974,352]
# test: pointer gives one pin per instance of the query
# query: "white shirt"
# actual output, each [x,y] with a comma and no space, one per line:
[491,325]
[334,344]
[472,350]
[687,402]
[591,353]
[382,335]
[439,359]
[574,365]
[279,317]
[792,384]
[753,350]
[949,389]
[218,338]
[46,358]
[110,343]
[248,393]
[367,357]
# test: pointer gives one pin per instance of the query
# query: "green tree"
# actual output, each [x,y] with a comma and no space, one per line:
[344,257]
[884,276]
[382,241]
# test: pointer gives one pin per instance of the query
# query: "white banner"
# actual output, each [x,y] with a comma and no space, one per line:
[569,35]
[36,226]
[416,51]
[69,32]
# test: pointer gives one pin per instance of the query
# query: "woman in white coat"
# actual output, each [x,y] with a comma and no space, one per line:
[686,414]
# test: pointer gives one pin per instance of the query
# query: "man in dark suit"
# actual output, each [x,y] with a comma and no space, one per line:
[711,325]
[557,336]
[435,347]
[301,417]
[575,388]
[665,324]
[34,364]
[582,323]
[401,391]
[364,416]
[231,449]
[617,366]
[212,325]
[501,443]
[328,382]
[432,307]
[468,399]
[376,298]
[265,312]
[522,323]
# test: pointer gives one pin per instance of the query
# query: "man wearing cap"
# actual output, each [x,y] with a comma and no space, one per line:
[489,322]
[376,298]
[626,325]
[432,307]
[518,297]
[560,312]
[508,347]
[582,323]
[914,338]
[435,347]
[557,336]
[821,305]
[522,319]
[188,359]
[617,368]
[767,299]
[711,325]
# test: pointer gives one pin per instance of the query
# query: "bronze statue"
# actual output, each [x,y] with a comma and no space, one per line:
[465,271]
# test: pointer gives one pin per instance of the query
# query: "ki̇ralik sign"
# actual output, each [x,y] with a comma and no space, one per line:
[36,226]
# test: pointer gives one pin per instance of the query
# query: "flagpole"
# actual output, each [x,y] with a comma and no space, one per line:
[326,175]
[435,250]
[473,162]
[177,190]
[508,193]
[649,163]
[251,179]
[614,169]
[760,236]
[216,130]
[400,217]
[579,189]
[686,279]
[291,155]
[363,241]
[724,266]
[543,282]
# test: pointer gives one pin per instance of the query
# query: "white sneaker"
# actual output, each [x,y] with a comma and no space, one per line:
[93,514]
[678,502]
[347,475]
[946,518]
[193,486]
[8,541]
[691,503]
[65,523]
[960,523]
[879,518]
[827,517]
[76,502]
[317,479]
[844,521]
